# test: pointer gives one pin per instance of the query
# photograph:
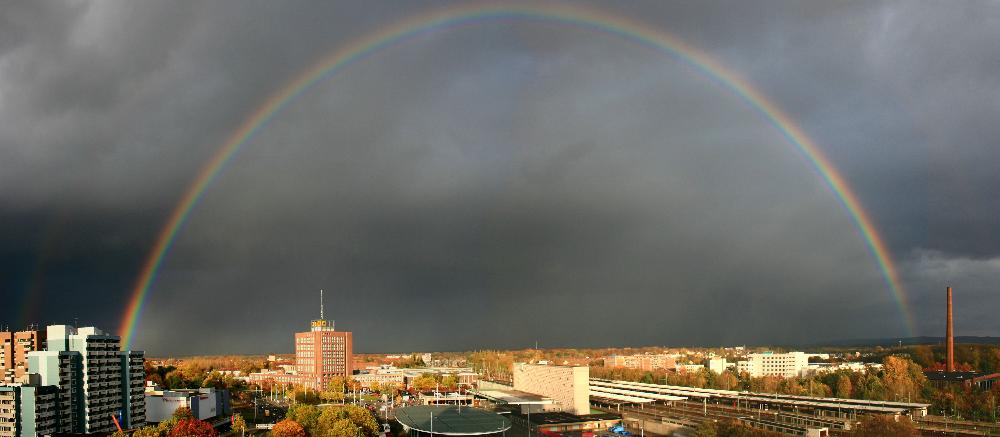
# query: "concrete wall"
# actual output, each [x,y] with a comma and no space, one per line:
[569,387]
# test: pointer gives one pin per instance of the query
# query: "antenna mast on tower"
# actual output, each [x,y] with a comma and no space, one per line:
[321,304]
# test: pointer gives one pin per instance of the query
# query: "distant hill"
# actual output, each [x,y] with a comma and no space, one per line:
[906,341]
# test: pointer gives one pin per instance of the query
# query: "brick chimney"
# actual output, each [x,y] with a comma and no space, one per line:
[951,337]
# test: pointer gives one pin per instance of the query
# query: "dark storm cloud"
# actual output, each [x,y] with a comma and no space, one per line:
[497,184]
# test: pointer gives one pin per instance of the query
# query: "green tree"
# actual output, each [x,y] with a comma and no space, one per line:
[239,424]
[334,390]
[359,418]
[424,382]
[342,428]
[148,431]
[870,387]
[363,419]
[305,415]
[214,379]
[450,382]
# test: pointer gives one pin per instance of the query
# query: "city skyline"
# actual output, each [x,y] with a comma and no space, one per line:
[456,175]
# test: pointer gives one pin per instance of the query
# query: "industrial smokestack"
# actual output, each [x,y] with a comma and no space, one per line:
[951,337]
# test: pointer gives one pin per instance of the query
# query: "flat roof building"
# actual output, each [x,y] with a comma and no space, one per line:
[429,420]
[28,410]
[788,365]
[14,349]
[560,422]
[205,403]
[568,387]
[640,361]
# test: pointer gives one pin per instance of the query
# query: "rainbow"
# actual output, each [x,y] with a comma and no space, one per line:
[470,13]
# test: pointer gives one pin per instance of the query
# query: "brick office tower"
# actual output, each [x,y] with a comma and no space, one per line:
[323,352]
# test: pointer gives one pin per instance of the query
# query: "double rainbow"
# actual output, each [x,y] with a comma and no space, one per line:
[471,13]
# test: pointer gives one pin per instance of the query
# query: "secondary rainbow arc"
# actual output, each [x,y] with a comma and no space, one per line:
[468,13]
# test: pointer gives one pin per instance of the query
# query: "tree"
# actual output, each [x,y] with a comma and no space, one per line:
[163,428]
[288,428]
[305,415]
[424,382]
[844,387]
[148,431]
[902,378]
[334,390]
[353,384]
[450,382]
[390,389]
[192,428]
[870,387]
[728,381]
[342,428]
[183,413]
[329,421]
[214,379]
[363,419]
[706,429]
[239,424]
[877,425]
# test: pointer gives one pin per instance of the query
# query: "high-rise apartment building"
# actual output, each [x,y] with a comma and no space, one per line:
[133,388]
[108,376]
[28,410]
[14,349]
[95,382]
[63,371]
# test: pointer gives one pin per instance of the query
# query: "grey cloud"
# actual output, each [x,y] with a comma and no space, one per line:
[541,178]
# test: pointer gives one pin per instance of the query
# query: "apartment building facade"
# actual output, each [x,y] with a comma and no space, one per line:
[786,365]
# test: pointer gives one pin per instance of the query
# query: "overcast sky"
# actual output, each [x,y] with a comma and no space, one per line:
[500,183]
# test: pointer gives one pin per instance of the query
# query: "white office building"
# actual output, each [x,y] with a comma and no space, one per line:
[787,365]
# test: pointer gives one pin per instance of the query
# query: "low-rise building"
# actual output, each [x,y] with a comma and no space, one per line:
[205,403]
[814,368]
[380,377]
[981,380]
